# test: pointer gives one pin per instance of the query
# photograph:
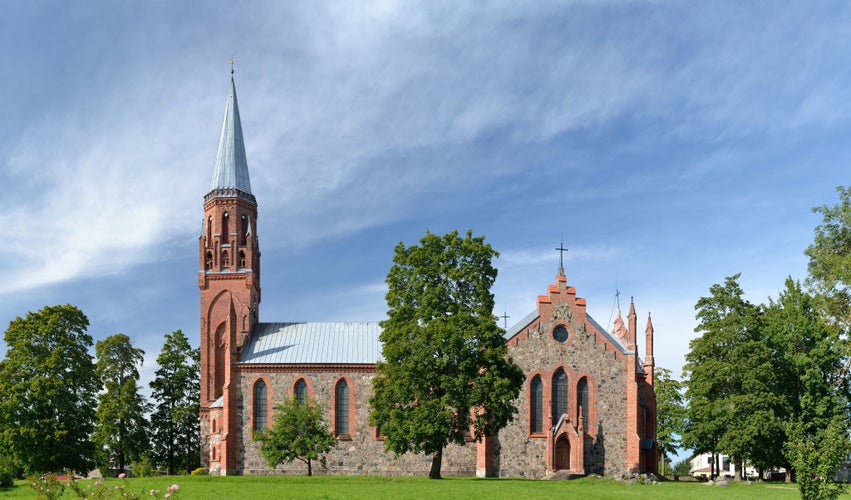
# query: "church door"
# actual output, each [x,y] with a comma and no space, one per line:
[562,461]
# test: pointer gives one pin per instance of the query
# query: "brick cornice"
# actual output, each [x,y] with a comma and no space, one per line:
[305,367]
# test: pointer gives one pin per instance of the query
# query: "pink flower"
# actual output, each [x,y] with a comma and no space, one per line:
[167,495]
[122,475]
[173,487]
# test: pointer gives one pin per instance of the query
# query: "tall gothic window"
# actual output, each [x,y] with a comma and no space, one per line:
[301,391]
[243,231]
[260,407]
[209,231]
[536,403]
[225,233]
[341,409]
[559,395]
[582,400]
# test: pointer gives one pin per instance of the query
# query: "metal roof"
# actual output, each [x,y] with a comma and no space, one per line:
[307,343]
[231,170]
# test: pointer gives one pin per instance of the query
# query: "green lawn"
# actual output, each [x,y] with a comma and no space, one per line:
[374,488]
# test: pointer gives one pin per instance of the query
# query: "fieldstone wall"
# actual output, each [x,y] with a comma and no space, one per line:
[363,453]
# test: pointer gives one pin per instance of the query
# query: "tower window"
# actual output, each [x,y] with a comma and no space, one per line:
[225,233]
[225,259]
[209,230]
[243,232]
[559,400]
[341,410]
[208,261]
[242,259]
[260,407]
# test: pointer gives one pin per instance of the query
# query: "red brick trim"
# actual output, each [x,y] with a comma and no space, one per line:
[307,381]
[301,368]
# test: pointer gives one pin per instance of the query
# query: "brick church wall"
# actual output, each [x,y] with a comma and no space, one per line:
[362,454]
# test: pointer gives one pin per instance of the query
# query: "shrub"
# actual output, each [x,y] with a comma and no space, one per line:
[46,487]
[144,468]
[8,472]
[200,471]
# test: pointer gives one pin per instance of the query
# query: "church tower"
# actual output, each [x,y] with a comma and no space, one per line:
[229,258]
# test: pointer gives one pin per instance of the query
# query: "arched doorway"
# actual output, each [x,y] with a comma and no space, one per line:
[562,461]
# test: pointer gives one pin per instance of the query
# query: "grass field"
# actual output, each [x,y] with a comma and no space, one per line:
[373,488]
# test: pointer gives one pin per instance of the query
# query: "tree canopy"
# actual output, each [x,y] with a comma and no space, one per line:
[298,433]
[446,373]
[48,384]
[175,422]
[830,259]
[121,428]
[670,412]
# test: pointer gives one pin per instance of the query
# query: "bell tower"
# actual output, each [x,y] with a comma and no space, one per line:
[229,261]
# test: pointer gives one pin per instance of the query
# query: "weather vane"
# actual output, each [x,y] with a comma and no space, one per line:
[232,62]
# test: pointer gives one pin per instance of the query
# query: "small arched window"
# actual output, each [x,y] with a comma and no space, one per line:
[225,233]
[260,406]
[208,260]
[341,409]
[214,452]
[214,425]
[536,406]
[242,259]
[209,230]
[559,400]
[301,391]
[225,259]
[582,400]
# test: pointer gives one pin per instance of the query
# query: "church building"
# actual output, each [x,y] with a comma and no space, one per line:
[587,404]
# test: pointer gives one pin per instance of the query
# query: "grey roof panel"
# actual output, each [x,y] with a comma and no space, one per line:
[515,329]
[231,170]
[308,343]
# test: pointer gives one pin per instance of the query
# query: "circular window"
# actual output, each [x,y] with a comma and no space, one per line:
[560,333]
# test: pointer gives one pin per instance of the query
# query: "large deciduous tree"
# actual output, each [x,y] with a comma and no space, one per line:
[830,259]
[733,406]
[670,411]
[809,375]
[446,372]
[121,427]
[299,433]
[48,387]
[175,421]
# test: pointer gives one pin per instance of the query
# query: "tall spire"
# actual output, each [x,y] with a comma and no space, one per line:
[231,170]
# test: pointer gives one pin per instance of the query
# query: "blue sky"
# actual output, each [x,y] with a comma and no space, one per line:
[670,144]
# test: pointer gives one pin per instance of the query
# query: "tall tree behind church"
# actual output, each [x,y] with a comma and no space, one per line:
[730,386]
[176,393]
[446,368]
[830,260]
[121,428]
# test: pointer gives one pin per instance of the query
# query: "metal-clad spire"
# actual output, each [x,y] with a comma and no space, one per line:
[231,170]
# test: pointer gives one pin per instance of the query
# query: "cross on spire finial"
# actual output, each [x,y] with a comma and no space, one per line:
[232,62]
[505,317]
[561,251]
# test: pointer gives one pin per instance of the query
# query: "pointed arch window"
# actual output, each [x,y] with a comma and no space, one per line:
[261,409]
[559,399]
[225,233]
[242,259]
[582,400]
[301,391]
[225,259]
[341,409]
[243,231]
[536,405]
[208,261]
[209,230]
